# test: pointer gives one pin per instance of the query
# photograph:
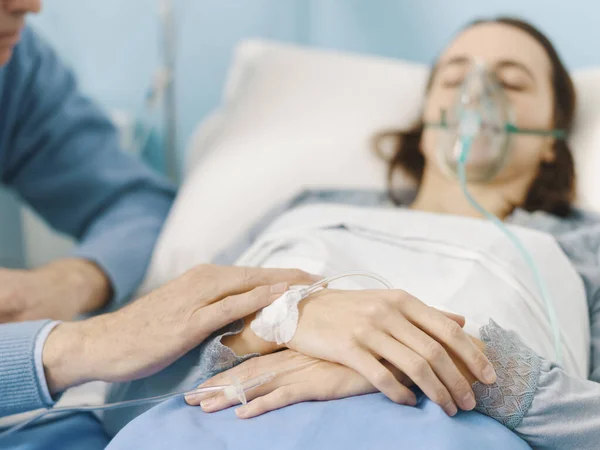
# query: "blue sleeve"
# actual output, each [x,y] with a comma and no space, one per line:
[21,388]
[62,155]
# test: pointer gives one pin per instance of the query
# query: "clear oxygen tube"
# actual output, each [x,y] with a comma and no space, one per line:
[236,389]
[465,147]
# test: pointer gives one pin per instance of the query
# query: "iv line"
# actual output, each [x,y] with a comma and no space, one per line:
[235,389]
[319,284]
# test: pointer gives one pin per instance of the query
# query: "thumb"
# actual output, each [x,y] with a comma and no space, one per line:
[223,312]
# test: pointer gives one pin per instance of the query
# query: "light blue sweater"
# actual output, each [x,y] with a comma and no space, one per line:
[61,154]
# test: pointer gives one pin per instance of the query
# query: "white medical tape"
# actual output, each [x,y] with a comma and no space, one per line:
[278,321]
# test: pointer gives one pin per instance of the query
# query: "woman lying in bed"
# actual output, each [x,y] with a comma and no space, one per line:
[351,342]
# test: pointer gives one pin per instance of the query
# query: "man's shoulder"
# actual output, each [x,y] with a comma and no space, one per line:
[31,68]
[23,63]
[27,52]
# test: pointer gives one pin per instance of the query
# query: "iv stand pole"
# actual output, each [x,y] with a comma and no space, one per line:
[169,32]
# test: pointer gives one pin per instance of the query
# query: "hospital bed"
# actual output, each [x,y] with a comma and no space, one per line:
[294,118]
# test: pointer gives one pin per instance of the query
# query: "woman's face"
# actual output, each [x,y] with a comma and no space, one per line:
[524,71]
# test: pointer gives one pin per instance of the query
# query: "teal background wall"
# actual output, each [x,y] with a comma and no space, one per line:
[113,45]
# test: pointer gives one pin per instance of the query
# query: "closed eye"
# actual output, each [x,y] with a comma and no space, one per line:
[452,82]
[513,86]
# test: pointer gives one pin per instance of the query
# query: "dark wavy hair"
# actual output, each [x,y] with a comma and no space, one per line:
[553,190]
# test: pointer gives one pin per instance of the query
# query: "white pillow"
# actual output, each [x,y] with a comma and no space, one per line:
[293,118]
[585,139]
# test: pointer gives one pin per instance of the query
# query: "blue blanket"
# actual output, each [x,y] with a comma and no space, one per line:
[366,422]
[76,431]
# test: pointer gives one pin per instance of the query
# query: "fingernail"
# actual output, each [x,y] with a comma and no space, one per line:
[316,278]
[193,400]
[279,288]
[451,409]
[206,404]
[489,374]
[242,412]
[468,402]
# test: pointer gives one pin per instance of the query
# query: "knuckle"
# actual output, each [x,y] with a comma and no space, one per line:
[418,367]
[297,275]
[247,371]
[260,296]
[347,345]
[214,381]
[480,360]
[383,378]
[434,352]
[361,333]
[283,395]
[377,309]
[204,268]
[453,330]
[225,306]
[245,275]
[203,272]
[13,302]
[258,292]
[461,387]
[204,276]
[401,297]
[399,396]
[259,404]
[440,396]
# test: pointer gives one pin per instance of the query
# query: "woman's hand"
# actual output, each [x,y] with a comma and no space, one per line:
[299,378]
[358,329]
[152,332]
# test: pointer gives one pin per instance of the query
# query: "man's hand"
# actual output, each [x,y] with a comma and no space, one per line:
[151,333]
[61,290]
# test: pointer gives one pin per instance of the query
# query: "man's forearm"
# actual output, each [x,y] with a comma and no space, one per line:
[102,348]
[61,290]
[88,350]
[63,357]
[82,283]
